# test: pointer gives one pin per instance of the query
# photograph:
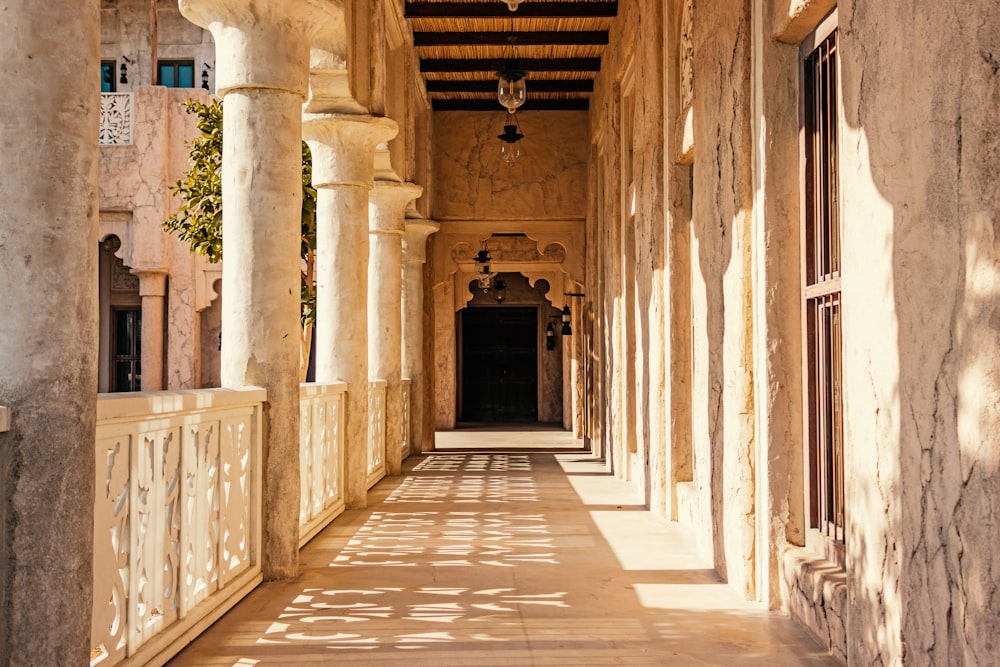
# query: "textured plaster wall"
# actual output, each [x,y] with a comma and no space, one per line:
[473,183]
[922,305]
[136,178]
[476,195]
[126,32]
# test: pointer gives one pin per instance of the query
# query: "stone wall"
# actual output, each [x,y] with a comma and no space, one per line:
[918,200]
[921,86]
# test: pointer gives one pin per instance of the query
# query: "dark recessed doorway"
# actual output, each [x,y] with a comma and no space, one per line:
[499,364]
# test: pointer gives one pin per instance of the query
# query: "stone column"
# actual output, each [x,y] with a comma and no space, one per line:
[48,328]
[414,257]
[152,289]
[387,221]
[262,75]
[343,150]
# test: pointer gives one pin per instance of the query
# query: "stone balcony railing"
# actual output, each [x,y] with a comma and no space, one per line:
[176,516]
[117,119]
[177,512]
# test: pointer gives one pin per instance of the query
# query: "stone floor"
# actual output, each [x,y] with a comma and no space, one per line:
[501,558]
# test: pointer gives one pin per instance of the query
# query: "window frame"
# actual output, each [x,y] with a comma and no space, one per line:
[175,63]
[822,321]
[112,66]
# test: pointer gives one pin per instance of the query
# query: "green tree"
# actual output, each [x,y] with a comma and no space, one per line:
[198,221]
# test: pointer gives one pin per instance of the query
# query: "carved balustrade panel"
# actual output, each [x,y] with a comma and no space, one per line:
[376,431]
[407,400]
[321,458]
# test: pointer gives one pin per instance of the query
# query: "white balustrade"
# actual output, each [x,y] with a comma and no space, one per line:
[176,516]
[407,391]
[321,459]
[376,431]
[117,119]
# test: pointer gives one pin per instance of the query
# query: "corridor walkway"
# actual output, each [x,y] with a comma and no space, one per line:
[501,558]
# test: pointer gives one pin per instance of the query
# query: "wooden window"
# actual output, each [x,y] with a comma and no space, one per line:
[175,73]
[822,299]
[108,80]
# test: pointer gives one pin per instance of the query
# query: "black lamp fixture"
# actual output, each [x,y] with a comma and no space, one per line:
[510,151]
[204,76]
[499,289]
[567,316]
[550,337]
[483,274]
[123,70]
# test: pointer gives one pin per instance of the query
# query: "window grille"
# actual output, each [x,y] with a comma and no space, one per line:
[822,294]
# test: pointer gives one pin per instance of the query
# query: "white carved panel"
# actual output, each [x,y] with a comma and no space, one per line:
[321,456]
[376,431]
[111,548]
[117,119]
[407,392]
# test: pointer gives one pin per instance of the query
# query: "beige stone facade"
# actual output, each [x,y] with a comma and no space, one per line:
[831,443]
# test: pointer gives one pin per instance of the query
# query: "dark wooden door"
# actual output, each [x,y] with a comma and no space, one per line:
[500,364]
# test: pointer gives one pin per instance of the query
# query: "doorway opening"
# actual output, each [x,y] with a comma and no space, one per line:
[499,364]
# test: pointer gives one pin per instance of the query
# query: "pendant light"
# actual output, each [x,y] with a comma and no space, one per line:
[510,149]
[512,4]
[512,91]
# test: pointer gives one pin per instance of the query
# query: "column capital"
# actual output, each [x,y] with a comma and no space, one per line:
[152,282]
[262,43]
[415,240]
[389,200]
[343,146]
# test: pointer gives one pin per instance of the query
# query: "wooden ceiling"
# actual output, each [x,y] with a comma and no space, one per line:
[461,45]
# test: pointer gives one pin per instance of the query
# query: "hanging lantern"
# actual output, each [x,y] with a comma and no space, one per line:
[512,90]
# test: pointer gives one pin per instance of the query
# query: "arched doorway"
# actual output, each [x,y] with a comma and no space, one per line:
[506,372]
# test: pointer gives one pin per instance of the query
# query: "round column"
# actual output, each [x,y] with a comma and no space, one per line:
[152,289]
[387,220]
[414,257]
[343,150]
[48,327]
[262,73]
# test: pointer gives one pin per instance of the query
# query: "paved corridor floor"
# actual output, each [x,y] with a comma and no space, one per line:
[501,559]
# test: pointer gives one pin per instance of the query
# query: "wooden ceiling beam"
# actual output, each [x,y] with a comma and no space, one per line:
[532,38]
[534,86]
[527,9]
[525,64]
[575,104]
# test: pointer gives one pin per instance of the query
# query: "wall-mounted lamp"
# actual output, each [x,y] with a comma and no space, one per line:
[483,274]
[499,289]
[567,316]
[204,76]
[550,337]
[123,70]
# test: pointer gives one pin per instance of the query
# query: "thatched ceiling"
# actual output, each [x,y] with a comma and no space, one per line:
[462,43]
